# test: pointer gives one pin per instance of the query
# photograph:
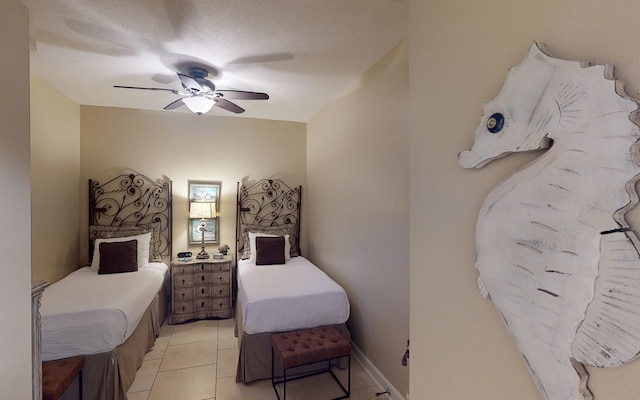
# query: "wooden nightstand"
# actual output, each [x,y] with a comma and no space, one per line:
[201,289]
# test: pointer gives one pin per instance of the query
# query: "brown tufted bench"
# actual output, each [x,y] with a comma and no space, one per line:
[308,346]
[57,375]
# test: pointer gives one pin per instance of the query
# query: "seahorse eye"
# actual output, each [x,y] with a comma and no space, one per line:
[495,123]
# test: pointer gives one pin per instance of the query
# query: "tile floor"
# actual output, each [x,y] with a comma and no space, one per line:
[197,361]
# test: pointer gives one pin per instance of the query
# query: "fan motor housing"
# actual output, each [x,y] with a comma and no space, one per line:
[197,72]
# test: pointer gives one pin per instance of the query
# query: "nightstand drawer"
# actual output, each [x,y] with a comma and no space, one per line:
[220,267]
[220,277]
[220,304]
[202,267]
[220,291]
[181,281]
[183,294]
[182,269]
[203,278]
[202,304]
[202,291]
[183,307]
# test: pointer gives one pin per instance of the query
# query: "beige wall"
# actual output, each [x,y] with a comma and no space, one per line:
[184,146]
[459,54]
[55,183]
[15,221]
[358,208]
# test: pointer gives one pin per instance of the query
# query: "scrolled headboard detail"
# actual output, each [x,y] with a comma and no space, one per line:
[132,200]
[268,203]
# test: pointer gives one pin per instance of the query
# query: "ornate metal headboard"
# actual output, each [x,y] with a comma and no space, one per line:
[268,203]
[133,200]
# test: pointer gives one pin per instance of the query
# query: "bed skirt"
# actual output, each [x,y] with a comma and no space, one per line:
[108,376]
[254,360]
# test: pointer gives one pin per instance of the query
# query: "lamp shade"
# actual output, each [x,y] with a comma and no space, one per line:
[202,210]
[198,104]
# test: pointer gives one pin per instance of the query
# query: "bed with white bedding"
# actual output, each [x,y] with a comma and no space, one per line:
[284,297]
[81,314]
[111,311]
[277,289]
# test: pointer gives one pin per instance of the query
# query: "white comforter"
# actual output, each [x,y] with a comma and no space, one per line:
[86,313]
[288,296]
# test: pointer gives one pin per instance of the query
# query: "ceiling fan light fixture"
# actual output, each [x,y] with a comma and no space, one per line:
[198,104]
[200,94]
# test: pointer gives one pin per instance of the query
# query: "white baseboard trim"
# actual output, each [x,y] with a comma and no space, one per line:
[379,379]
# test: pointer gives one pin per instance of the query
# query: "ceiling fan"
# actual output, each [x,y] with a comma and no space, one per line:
[200,94]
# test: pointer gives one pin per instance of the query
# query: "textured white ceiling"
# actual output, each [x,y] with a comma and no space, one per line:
[301,52]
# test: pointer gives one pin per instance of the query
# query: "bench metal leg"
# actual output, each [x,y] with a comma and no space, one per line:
[274,382]
[80,384]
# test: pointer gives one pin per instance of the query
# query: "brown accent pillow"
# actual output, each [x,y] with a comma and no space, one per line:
[281,230]
[117,257]
[269,250]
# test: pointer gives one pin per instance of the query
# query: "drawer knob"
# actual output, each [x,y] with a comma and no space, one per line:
[183,281]
[202,290]
[203,304]
[202,278]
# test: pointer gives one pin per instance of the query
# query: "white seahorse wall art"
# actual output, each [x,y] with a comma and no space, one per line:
[554,251]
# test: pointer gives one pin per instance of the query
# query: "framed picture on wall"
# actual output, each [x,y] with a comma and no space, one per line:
[205,191]
[211,232]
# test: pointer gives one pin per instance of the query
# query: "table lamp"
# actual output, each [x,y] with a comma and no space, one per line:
[203,211]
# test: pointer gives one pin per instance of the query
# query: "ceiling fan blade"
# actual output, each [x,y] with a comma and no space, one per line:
[262,58]
[242,95]
[229,106]
[207,85]
[175,104]
[149,88]
[190,84]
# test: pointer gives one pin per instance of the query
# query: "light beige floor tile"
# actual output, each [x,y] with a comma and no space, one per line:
[228,389]
[226,335]
[158,349]
[189,355]
[161,343]
[145,376]
[138,395]
[185,384]
[226,323]
[359,377]
[317,387]
[196,331]
[227,362]
[368,393]
[166,330]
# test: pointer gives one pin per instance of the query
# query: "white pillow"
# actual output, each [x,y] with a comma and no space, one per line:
[144,243]
[252,245]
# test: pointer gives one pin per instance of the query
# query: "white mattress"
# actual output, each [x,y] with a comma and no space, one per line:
[289,296]
[86,313]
